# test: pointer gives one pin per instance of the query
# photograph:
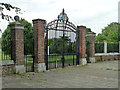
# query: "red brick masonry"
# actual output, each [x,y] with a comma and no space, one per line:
[107,57]
[38,35]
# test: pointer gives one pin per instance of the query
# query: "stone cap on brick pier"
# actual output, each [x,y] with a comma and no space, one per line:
[17,26]
[106,54]
[91,34]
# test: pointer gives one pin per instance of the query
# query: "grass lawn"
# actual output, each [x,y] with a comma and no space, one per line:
[28,63]
[58,58]
[28,60]
[52,59]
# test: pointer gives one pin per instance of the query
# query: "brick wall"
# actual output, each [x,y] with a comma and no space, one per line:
[90,44]
[107,57]
[17,37]
[82,43]
[8,69]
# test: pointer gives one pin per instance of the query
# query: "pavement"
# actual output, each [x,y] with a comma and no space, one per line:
[94,75]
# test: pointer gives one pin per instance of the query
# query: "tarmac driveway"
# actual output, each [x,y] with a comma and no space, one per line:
[95,75]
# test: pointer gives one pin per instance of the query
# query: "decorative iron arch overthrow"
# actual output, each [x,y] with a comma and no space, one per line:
[61,22]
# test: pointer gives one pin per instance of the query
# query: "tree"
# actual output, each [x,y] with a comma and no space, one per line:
[88,30]
[109,33]
[28,41]
[8,7]
[28,37]
[100,38]
[56,45]
[6,41]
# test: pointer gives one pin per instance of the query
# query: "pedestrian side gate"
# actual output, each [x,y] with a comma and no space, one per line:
[29,55]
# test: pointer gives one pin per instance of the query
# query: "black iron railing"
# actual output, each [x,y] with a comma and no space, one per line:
[99,47]
[112,47]
[5,49]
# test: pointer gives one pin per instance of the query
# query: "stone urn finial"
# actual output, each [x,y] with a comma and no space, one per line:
[16,18]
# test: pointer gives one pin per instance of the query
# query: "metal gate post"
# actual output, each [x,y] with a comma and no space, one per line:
[46,51]
[33,56]
[63,59]
[77,46]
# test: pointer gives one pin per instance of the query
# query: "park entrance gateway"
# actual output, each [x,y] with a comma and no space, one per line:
[61,43]
[64,44]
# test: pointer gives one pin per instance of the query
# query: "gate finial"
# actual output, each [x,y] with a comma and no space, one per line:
[63,11]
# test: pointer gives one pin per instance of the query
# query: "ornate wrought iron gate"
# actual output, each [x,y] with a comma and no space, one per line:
[61,43]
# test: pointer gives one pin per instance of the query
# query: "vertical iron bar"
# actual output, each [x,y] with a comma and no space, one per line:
[67,56]
[112,48]
[1,51]
[73,52]
[46,49]
[4,54]
[33,55]
[70,61]
[7,50]
[26,63]
[77,45]
[63,52]
[11,49]
[55,47]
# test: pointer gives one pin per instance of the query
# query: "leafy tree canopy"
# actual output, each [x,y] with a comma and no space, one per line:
[6,40]
[109,33]
[88,30]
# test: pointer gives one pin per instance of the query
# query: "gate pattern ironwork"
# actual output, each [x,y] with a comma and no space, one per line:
[29,55]
[61,43]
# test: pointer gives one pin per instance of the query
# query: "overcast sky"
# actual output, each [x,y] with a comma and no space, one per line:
[94,14]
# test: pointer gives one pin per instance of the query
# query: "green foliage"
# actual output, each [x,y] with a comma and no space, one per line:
[6,38]
[8,7]
[100,38]
[99,47]
[88,30]
[113,47]
[6,41]
[28,37]
[109,69]
[109,33]
[56,45]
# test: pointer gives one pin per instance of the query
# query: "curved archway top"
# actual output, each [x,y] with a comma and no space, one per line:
[62,22]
